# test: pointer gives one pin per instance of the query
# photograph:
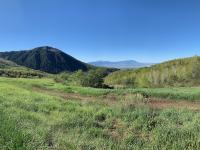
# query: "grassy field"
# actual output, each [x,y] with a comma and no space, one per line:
[42,114]
[187,93]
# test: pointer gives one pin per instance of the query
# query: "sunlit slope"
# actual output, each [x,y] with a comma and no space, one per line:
[11,69]
[179,72]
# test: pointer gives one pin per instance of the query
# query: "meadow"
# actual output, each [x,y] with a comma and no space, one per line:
[43,114]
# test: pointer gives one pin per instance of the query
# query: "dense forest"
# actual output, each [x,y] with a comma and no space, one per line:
[179,72]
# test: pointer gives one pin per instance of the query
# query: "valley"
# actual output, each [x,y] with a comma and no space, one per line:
[156,107]
[99,75]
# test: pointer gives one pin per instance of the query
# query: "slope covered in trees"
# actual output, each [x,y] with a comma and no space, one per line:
[46,59]
[179,72]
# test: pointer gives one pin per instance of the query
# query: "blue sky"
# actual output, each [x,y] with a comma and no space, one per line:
[143,30]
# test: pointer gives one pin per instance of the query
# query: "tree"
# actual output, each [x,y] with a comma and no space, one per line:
[196,70]
[77,78]
[94,78]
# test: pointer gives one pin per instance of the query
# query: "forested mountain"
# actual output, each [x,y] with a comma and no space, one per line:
[46,59]
[179,72]
[121,64]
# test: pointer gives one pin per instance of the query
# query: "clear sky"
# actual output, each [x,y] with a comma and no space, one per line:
[143,30]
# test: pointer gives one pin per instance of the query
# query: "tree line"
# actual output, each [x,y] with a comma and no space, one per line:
[92,78]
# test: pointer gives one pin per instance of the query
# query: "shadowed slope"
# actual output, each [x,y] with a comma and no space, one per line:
[46,59]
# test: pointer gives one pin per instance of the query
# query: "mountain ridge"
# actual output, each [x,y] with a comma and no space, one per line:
[45,58]
[124,64]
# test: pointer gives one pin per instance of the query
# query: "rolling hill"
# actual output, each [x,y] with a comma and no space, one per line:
[179,72]
[46,59]
[5,64]
[127,64]
[11,69]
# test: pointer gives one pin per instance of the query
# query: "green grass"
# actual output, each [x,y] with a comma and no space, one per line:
[181,93]
[31,119]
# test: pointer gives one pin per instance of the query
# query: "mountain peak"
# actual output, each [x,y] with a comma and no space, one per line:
[45,58]
[47,48]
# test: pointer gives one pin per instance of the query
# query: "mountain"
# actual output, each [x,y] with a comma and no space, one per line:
[178,72]
[46,59]
[120,64]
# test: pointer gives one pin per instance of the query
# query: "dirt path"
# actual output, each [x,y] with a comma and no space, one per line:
[113,100]
[106,99]
[63,95]
[180,104]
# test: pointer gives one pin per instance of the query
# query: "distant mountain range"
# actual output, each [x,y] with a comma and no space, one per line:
[46,59]
[121,64]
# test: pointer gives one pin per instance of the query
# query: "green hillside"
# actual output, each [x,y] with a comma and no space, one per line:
[11,69]
[7,64]
[179,72]
[46,59]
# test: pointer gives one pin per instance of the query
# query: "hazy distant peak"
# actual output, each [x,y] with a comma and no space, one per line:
[120,64]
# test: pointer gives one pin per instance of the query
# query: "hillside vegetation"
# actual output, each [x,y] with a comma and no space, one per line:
[5,64]
[91,78]
[179,72]
[10,69]
[46,59]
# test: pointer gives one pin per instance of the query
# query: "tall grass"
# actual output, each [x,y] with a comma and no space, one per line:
[37,120]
